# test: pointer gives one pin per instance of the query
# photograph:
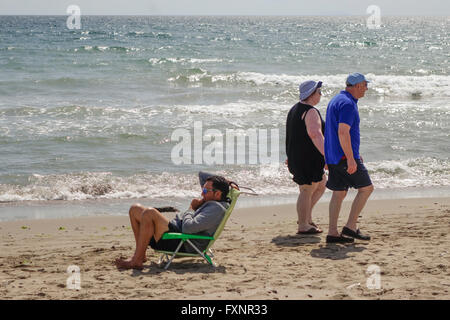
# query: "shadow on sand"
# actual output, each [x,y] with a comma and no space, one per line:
[179,267]
[295,240]
[335,251]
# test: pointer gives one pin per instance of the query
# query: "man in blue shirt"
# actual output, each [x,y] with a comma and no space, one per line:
[345,165]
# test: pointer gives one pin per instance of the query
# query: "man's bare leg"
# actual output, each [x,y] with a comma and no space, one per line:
[358,204]
[135,214]
[335,207]
[152,223]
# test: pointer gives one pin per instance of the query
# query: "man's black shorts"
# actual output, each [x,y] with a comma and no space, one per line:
[340,180]
[169,244]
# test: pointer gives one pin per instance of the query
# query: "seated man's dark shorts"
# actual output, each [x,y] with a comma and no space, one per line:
[169,244]
[340,180]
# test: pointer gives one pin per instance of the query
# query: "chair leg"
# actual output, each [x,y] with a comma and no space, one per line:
[205,256]
[173,256]
[162,258]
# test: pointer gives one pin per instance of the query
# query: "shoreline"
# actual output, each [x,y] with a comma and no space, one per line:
[410,244]
[52,209]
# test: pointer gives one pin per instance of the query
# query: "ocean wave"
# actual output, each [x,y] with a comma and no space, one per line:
[119,49]
[414,87]
[77,122]
[381,85]
[225,38]
[185,61]
[232,110]
[78,111]
[264,179]
[100,185]
[158,35]
[416,172]
[10,48]
[115,122]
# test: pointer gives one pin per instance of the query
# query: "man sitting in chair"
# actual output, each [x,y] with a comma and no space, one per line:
[203,217]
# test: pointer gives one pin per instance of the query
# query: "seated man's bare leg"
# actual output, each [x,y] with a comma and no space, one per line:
[153,223]
[135,214]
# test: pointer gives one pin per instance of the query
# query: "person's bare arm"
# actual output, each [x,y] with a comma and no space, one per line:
[314,129]
[346,145]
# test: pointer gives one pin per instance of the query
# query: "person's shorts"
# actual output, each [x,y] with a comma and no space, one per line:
[307,174]
[169,244]
[301,180]
[340,180]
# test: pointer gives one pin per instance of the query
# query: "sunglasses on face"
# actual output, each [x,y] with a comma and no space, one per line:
[206,190]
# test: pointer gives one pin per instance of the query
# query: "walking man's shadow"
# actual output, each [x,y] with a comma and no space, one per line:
[335,251]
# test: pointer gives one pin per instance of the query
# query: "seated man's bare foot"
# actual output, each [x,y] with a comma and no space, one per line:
[145,259]
[128,264]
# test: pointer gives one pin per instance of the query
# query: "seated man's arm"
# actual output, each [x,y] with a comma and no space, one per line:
[207,218]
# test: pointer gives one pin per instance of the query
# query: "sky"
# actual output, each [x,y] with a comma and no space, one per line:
[225,7]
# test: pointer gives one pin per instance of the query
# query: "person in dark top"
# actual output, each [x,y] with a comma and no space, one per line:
[305,153]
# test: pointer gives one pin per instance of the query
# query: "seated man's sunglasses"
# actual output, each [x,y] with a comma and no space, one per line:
[206,190]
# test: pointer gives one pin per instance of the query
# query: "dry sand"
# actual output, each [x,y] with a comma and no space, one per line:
[259,256]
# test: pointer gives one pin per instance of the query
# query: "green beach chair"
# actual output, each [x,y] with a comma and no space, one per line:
[184,237]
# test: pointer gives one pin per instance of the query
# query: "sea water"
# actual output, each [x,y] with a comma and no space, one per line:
[89,114]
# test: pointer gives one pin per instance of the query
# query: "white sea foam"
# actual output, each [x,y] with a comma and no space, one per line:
[380,85]
[186,61]
[385,85]
[236,109]
[268,180]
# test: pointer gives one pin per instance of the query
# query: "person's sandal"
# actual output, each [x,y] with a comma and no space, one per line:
[310,231]
[316,226]
[318,230]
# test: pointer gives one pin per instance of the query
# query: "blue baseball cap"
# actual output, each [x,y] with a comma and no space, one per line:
[307,88]
[355,78]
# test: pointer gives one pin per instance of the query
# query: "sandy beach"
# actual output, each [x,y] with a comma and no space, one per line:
[259,256]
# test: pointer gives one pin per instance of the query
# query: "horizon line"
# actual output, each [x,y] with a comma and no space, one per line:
[232,15]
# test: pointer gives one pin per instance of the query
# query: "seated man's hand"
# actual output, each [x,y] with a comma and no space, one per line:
[196,203]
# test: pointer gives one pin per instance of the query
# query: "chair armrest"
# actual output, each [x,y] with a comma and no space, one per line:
[184,236]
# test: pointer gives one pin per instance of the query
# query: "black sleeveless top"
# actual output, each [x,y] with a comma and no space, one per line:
[303,156]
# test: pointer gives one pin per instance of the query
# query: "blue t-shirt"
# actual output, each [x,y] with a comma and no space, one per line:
[342,108]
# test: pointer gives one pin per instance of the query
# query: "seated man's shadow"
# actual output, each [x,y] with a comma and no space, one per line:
[295,240]
[179,267]
[334,251]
